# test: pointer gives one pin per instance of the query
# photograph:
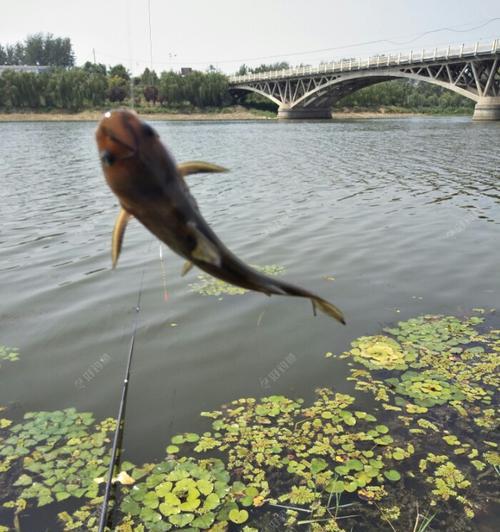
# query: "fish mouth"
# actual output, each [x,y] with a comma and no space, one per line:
[120,132]
[107,157]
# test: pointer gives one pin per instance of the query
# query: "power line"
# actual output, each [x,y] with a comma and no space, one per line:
[150,35]
[321,50]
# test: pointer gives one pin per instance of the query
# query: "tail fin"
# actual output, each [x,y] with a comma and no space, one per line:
[275,286]
[328,308]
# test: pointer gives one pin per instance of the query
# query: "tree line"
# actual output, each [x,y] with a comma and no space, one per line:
[93,86]
[39,49]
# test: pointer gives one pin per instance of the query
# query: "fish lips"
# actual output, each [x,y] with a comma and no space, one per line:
[113,148]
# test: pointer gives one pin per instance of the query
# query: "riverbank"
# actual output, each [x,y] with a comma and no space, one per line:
[230,114]
[93,116]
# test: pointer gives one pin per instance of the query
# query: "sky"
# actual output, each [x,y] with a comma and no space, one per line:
[227,33]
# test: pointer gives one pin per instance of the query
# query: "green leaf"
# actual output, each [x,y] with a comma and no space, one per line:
[172,449]
[238,516]
[317,465]
[181,520]
[335,486]
[23,480]
[164,488]
[211,502]
[392,475]
[356,465]
[204,521]
[129,506]
[151,500]
[342,470]
[191,437]
[205,486]
[44,499]
[169,509]
[150,516]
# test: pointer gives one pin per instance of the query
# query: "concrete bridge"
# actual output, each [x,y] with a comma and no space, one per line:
[310,92]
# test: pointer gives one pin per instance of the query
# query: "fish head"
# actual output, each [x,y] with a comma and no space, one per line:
[134,161]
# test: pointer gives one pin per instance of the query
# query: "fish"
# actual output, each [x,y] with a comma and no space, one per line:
[152,188]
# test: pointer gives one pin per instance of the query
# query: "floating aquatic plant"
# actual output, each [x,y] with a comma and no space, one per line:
[426,388]
[380,352]
[447,481]
[181,493]
[276,463]
[210,286]
[60,458]
[9,354]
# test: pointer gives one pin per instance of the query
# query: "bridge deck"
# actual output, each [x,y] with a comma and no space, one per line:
[378,61]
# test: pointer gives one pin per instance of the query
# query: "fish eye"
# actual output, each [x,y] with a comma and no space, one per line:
[148,130]
[107,158]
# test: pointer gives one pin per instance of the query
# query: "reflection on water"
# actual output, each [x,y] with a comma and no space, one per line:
[403,214]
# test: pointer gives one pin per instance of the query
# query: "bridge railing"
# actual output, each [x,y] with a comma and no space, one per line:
[378,61]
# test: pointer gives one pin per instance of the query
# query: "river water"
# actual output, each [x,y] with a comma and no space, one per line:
[388,218]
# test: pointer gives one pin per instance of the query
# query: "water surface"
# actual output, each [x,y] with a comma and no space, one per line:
[403,213]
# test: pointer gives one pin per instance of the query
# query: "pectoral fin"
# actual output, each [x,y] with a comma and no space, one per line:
[118,232]
[186,268]
[204,250]
[198,167]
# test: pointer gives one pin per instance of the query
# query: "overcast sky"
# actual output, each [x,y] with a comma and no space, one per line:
[227,33]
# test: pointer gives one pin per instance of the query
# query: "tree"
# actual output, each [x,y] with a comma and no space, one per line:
[39,49]
[95,68]
[280,65]
[45,49]
[151,94]
[149,77]
[243,70]
[117,89]
[171,89]
[119,71]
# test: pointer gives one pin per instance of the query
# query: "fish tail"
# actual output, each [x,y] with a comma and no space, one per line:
[328,308]
[282,288]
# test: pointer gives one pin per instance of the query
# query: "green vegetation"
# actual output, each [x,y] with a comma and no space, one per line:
[8,353]
[406,96]
[93,87]
[66,87]
[39,49]
[422,457]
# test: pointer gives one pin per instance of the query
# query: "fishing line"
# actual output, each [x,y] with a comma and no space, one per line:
[163,275]
[130,56]
[121,412]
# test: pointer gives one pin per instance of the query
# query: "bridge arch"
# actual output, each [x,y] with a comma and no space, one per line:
[373,79]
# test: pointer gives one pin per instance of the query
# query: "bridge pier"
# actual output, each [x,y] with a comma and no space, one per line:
[304,113]
[487,108]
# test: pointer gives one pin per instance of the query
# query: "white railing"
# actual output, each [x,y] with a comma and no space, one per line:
[378,61]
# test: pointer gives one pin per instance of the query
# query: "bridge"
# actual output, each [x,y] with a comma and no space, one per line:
[310,92]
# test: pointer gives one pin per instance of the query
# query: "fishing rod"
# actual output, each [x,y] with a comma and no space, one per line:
[121,414]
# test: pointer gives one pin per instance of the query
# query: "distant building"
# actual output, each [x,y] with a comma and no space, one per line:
[36,69]
[185,71]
